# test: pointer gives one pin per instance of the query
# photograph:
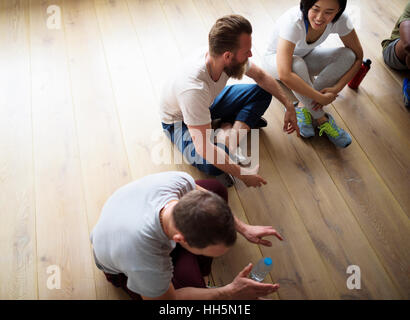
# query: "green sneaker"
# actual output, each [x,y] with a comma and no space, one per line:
[338,136]
[305,122]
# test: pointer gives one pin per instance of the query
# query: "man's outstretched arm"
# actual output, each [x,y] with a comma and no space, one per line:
[253,234]
[269,84]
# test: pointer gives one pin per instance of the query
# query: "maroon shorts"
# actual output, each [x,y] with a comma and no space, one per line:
[189,269]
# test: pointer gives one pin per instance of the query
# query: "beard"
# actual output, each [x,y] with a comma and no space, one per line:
[236,70]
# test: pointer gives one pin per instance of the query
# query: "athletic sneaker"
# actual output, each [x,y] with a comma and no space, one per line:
[305,122]
[406,92]
[240,159]
[337,135]
[226,179]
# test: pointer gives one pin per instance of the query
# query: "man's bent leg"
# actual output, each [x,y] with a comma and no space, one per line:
[242,105]
[179,135]
[214,186]
[241,102]
[187,268]
[120,281]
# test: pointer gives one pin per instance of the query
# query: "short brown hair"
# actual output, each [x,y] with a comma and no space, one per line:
[204,219]
[224,35]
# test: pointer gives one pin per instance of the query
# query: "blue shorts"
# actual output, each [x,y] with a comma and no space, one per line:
[240,102]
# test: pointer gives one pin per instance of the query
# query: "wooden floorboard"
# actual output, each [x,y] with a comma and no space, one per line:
[330,222]
[60,204]
[18,276]
[380,216]
[299,267]
[79,118]
[104,161]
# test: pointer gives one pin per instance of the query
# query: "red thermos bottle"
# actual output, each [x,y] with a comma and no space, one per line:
[355,82]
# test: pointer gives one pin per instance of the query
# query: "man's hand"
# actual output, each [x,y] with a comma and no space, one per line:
[290,123]
[255,234]
[251,178]
[243,288]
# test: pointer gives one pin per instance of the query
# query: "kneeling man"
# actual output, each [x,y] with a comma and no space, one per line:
[156,238]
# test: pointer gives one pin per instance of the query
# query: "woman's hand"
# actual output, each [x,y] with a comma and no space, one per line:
[327,98]
[333,90]
[328,95]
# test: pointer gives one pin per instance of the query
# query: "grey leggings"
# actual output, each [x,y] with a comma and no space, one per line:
[328,64]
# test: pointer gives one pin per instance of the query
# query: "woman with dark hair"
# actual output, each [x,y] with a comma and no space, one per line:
[315,75]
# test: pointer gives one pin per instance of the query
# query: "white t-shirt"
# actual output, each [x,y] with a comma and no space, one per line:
[128,237]
[291,26]
[189,93]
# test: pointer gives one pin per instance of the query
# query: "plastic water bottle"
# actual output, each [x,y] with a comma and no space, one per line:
[355,82]
[261,270]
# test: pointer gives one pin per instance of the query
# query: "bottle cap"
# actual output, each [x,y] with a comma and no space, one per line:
[267,261]
[368,62]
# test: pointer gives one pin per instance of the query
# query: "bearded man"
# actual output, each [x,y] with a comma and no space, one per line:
[197,94]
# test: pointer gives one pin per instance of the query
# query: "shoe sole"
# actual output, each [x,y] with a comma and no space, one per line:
[306,137]
[347,145]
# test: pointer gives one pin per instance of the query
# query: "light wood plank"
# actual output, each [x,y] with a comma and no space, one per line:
[185,20]
[61,217]
[104,160]
[133,89]
[148,19]
[18,276]
[211,10]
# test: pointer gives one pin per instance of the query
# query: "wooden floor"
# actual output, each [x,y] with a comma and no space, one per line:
[78,119]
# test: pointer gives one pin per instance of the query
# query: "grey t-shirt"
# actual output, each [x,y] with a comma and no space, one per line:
[128,237]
